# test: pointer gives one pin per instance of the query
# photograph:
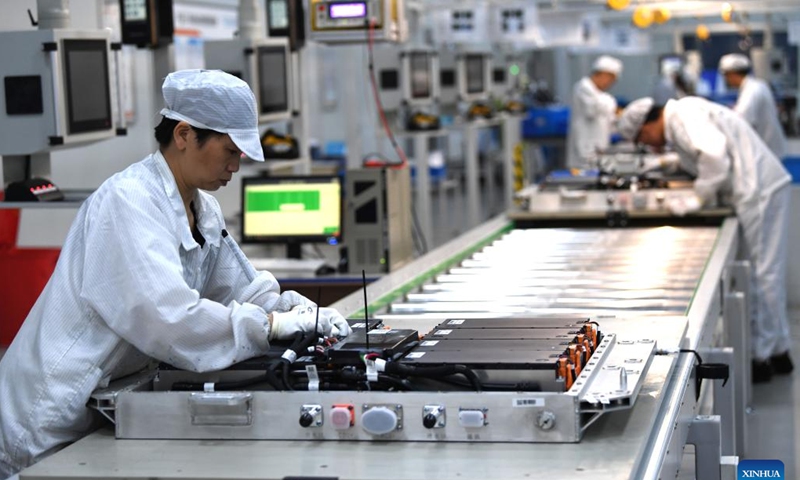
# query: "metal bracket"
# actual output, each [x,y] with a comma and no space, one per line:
[705,434]
[725,402]
[736,317]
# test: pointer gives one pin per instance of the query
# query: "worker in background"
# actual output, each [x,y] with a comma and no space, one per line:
[148,272]
[730,161]
[592,113]
[755,103]
[672,85]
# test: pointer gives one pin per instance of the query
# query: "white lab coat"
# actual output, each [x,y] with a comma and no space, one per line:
[729,159]
[757,105]
[591,117]
[131,284]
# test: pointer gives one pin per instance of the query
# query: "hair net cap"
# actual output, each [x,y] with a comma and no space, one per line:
[632,118]
[734,62]
[608,64]
[215,100]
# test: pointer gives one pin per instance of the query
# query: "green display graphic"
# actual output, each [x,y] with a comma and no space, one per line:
[300,200]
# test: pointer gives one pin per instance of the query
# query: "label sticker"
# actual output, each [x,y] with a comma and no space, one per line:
[527,402]
[455,322]
[415,355]
[428,343]
[442,332]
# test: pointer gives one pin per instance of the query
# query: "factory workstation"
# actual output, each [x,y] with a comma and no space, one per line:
[399,239]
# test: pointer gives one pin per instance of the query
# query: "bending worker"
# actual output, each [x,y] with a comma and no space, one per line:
[148,272]
[755,103]
[592,113]
[730,160]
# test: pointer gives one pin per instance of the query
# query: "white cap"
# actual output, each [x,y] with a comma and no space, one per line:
[734,62]
[632,118]
[607,64]
[215,100]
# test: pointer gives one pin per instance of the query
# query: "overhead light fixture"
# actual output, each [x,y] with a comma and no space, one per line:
[661,15]
[618,4]
[727,12]
[642,17]
[702,32]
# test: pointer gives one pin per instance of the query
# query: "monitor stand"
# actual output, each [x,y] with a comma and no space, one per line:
[293,250]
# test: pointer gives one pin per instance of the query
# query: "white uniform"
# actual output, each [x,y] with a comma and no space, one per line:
[729,158]
[757,105]
[591,117]
[131,284]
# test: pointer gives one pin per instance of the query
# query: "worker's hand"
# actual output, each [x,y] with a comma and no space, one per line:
[339,326]
[680,206]
[302,318]
[290,299]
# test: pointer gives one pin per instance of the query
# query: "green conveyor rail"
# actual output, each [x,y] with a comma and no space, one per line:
[421,279]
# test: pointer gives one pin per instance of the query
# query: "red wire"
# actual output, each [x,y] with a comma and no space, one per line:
[378,104]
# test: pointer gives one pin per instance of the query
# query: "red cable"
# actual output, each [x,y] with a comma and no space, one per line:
[379,105]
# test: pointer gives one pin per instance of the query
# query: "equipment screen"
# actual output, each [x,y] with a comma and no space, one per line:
[475,73]
[276,209]
[499,75]
[420,75]
[348,10]
[447,78]
[86,81]
[278,15]
[272,88]
[135,10]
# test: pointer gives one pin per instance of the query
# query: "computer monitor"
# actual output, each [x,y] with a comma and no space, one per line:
[292,210]
[420,75]
[474,76]
[88,97]
[273,87]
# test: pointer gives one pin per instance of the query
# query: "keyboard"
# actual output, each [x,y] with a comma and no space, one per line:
[287,264]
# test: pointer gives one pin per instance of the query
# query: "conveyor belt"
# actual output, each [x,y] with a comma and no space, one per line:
[651,271]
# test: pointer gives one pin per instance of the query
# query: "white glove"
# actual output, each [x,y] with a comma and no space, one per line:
[339,326]
[660,162]
[290,299]
[680,206]
[302,318]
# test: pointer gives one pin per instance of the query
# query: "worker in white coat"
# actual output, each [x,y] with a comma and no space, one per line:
[592,113]
[755,103]
[148,273]
[730,162]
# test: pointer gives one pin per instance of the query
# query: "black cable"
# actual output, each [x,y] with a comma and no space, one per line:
[696,355]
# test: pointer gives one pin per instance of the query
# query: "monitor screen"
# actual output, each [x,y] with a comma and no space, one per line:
[135,10]
[292,209]
[420,75]
[499,75]
[475,73]
[447,78]
[348,10]
[86,82]
[278,14]
[272,88]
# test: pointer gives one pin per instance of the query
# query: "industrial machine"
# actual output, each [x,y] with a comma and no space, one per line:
[338,21]
[60,91]
[265,64]
[378,219]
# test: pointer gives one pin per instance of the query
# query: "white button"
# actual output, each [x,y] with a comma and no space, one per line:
[340,418]
[379,421]
[471,418]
